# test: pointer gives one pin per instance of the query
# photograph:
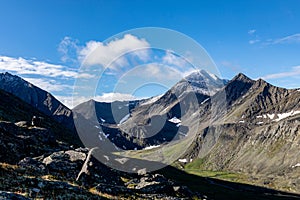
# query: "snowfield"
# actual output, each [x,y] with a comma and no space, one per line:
[175,120]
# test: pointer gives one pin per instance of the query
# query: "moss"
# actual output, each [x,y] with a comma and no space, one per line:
[124,179]
[131,185]
[196,164]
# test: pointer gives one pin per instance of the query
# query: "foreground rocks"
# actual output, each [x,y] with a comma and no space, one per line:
[54,177]
[18,141]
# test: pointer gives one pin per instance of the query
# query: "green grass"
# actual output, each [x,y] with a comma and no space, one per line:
[222,185]
[228,176]
[196,164]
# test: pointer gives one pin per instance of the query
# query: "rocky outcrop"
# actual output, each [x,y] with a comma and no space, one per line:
[18,142]
[54,176]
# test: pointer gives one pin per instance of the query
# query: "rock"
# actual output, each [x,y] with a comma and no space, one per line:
[18,142]
[10,195]
[37,121]
[113,190]
[60,163]
[32,164]
[142,171]
[75,155]
[22,123]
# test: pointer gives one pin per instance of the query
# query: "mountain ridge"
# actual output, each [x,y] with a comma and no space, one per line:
[37,97]
[255,133]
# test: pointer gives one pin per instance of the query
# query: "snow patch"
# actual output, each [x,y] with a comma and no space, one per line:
[242,121]
[106,157]
[264,116]
[124,119]
[184,160]
[297,165]
[258,123]
[280,116]
[271,116]
[203,102]
[286,115]
[152,100]
[175,120]
[151,147]
[100,137]
[195,113]
[212,76]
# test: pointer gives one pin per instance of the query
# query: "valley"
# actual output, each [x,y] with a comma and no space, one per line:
[214,138]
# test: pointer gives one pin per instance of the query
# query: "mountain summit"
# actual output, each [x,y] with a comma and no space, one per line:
[200,81]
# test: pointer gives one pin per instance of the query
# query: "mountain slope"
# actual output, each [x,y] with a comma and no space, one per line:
[36,164]
[151,122]
[37,98]
[258,135]
[15,110]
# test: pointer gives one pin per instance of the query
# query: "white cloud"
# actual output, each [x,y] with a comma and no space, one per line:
[71,102]
[254,41]
[251,32]
[23,66]
[98,53]
[153,72]
[172,59]
[110,97]
[295,38]
[48,85]
[294,72]
[68,48]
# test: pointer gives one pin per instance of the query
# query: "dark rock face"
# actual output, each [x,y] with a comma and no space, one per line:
[14,109]
[17,142]
[36,97]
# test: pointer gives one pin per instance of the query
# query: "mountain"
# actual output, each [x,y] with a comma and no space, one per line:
[151,121]
[257,136]
[247,127]
[42,162]
[36,97]
[201,82]
[15,114]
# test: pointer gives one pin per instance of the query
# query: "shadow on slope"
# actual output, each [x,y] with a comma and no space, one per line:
[220,189]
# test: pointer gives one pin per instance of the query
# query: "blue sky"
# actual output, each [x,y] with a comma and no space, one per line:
[258,38]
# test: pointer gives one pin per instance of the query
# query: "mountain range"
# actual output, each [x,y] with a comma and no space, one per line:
[246,129]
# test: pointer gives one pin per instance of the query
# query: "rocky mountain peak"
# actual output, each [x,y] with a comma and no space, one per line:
[9,79]
[200,81]
[242,77]
[260,83]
